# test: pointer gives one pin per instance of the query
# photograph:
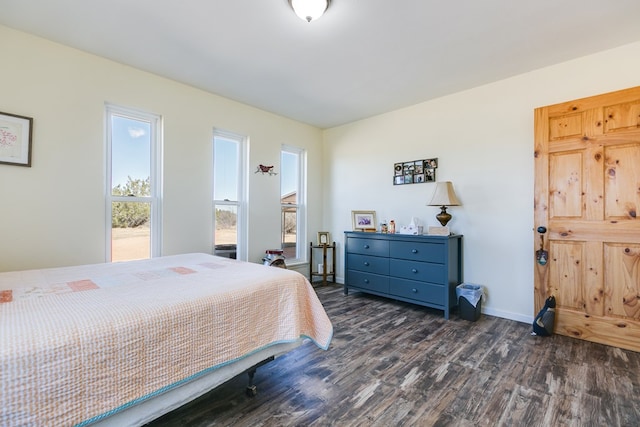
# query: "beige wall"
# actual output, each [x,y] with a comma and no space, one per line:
[483,138]
[52,214]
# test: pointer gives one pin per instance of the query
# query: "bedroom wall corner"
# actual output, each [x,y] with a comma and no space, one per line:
[53,213]
[483,138]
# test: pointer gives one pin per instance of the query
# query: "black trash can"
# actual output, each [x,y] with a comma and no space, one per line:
[469,301]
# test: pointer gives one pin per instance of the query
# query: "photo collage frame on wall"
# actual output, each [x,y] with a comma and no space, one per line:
[415,172]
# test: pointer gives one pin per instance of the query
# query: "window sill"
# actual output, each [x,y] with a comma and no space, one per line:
[296,263]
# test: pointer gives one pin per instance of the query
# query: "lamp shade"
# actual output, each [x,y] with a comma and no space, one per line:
[444,195]
[309,10]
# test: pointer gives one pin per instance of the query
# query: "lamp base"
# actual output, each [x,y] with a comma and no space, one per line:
[443,217]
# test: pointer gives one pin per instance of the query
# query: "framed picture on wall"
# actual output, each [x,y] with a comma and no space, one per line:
[363,220]
[415,171]
[15,139]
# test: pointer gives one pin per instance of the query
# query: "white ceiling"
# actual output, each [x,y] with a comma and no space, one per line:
[364,57]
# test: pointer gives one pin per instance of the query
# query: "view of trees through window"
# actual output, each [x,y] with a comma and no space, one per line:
[226,233]
[290,200]
[131,139]
[227,192]
[131,215]
[289,225]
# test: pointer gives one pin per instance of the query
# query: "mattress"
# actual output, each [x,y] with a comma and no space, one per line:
[79,344]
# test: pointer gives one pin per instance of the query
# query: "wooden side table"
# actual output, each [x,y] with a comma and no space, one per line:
[325,272]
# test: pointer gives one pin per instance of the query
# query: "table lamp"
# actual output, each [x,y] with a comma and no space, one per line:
[444,196]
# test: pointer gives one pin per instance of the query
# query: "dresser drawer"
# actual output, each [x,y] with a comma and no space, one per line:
[418,251]
[419,291]
[370,264]
[423,271]
[372,282]
[361,245]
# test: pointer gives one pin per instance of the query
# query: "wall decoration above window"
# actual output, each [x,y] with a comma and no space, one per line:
[415,171]
[15,139]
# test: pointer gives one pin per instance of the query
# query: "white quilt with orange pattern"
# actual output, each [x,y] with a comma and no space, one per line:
[79,343]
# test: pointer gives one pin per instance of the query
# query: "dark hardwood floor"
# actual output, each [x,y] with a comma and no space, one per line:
[397,364]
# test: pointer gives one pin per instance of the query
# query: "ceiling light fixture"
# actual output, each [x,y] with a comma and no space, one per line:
[309,10]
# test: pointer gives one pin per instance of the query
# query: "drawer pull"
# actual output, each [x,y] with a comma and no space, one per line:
[366,281]
[366,246]
[414,290]
[366,264]
[413,270]
[414,251]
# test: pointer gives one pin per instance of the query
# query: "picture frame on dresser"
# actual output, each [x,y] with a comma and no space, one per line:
[363,220]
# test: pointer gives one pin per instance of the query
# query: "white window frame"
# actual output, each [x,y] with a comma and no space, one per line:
[301,204]
[242,246]
[155,179]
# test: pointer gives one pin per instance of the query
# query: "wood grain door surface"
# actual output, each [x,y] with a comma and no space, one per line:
[587,195]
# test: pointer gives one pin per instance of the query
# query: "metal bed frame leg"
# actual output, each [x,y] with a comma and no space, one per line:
[251,390]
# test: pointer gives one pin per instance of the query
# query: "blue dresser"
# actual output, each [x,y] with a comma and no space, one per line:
[422,270]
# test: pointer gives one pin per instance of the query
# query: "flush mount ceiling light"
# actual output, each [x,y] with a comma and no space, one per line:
[309,10]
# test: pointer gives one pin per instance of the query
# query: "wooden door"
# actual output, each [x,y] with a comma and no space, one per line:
[587,195]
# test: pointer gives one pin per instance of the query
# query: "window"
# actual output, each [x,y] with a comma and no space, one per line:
[134,188]
[293,199]
[229,195]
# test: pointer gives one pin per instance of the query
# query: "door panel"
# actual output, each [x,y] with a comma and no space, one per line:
[566,276]
[565,174]
[622,186]
[620,117]
[622,264]
[564,127]
[587,195]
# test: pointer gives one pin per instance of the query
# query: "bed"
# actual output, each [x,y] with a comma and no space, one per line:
[123,343]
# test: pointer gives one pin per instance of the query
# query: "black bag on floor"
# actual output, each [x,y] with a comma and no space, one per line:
[546,318]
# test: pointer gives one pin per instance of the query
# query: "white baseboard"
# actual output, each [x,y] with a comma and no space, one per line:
[507,315]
